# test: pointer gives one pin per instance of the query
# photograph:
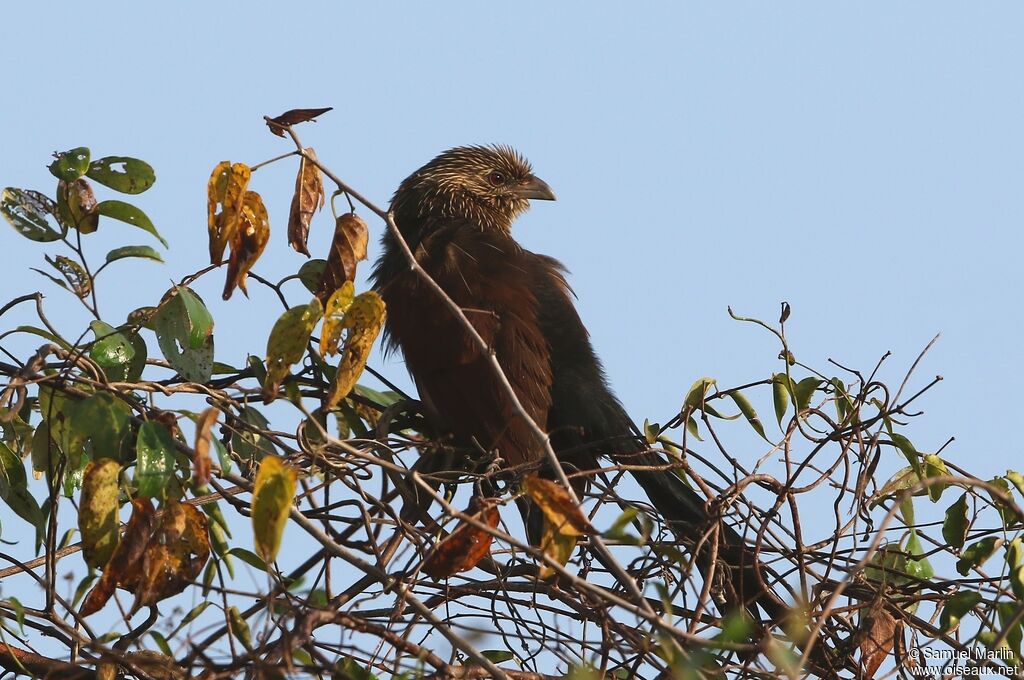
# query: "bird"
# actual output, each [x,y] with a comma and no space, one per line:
[456,215]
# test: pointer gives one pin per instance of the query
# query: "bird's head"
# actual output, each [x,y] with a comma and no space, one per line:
[489,185]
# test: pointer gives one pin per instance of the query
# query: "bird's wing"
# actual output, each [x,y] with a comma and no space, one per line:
[485,274]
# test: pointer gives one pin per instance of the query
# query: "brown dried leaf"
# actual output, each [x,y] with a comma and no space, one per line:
[878,636]
[293,117]
[225,194]
[125,564]
[175,556]
[307,199]
[564,522]
[201,452]
[247,244]
[466,546]
[351,236]
[363,321]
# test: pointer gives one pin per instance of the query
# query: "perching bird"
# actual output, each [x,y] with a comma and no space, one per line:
[456,215]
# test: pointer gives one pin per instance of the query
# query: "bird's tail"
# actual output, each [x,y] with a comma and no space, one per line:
[739,578]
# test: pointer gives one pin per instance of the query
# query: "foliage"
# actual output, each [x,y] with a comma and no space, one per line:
[368,567]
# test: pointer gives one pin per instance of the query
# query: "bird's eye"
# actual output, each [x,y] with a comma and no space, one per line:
[496,178]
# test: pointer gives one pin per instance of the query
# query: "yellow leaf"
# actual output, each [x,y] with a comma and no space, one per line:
[248,242]
[97,513]
[225,194]
[201,455]
[271,501]
[363,321]
[564,522]
[334,314]
[287,344]
[308,198]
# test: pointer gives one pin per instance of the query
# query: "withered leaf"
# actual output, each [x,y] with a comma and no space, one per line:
[125,564]
[347,249]
[247,243]
[271,502]
[363,321]
[225,194]
[334,314]
[287,343]
[293,117]
[97,513]
[466,546]
[176,554]
[201,452]
[307,199]
[73,273]
[76,205]
[879,635]
[564,522]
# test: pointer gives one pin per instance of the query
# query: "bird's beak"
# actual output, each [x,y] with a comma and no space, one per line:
[534,188]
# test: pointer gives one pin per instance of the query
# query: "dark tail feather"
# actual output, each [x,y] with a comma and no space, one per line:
[747,582]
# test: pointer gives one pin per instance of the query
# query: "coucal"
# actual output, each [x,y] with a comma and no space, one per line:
[456,214]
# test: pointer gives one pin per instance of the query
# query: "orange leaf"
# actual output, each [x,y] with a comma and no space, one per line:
[466,546]
[293,117]
[564,523]
[351,236]
[124,565]
[175,556]
[76,205]
[307,199]
[201,452]
[225,194]
[247,244]
[363,321]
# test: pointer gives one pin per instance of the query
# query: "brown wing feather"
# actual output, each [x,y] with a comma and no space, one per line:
[450,370]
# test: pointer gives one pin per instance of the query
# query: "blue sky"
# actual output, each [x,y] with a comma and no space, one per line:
[862,161]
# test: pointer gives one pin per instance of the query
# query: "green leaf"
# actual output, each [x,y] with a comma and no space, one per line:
[844,404]
[747,409]
[903,479]
[161,642]
[112,351]
[977,554]
[780,395]
[138,362]
[249,557]
[804,392]
[920,568]
[954,527]
[1007,615]
[191,616]
[120,173]
[497,655]
[247,443]
[350,669]
[1006,512]
[123,252]
[29,212]
[14,488]
[691,427]
[697,393]
[239,627]
[310,274]
[70,165]
[184,330]
[913,457]
[102,421]
[155,451]
[957,607]
[128,213]
[79,281]
[934,466]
